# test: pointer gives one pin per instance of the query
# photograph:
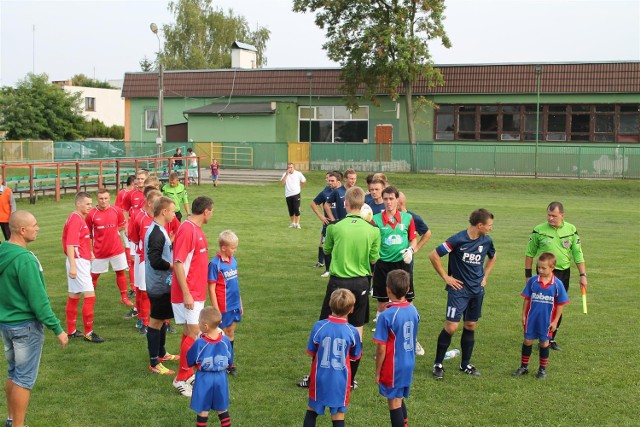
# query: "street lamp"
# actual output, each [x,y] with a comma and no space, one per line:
[538,78]
[154,30]
[310,77]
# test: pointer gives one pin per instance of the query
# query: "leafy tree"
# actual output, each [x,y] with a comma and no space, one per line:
[36,109]
[84,81]
[97,129]
[381,45]
[202,36]
[146,64]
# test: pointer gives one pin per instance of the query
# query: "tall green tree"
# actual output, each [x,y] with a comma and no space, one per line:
[36,109]
[202,35]
[381,45]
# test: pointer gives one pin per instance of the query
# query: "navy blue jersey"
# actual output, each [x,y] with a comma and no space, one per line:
[211,358]
[397,328]
[336,200]
[374,207]
[466,260]
[322,196]
[368,199]
[421,226]
[544,298]
[333,342]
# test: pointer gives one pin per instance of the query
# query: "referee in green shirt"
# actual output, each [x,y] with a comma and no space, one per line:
[561,239]
[177,192]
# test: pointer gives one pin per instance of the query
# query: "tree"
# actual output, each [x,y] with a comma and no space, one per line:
[145,64]
[36,109]
[381,45]
[202,36]
[84,81]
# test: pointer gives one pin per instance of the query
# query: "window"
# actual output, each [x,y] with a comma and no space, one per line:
[89,104]
[151,119]
[333,124]
[555,122]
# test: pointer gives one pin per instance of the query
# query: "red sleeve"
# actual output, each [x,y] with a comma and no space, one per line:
[73,232]
[412,230]
[126,201]
[134,234]
[121,219]
[89,221]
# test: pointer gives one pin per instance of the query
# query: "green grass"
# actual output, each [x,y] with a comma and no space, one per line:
[593,381]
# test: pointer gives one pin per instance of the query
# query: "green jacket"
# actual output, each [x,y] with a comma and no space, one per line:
[24,295]
[563,242]
[178,194]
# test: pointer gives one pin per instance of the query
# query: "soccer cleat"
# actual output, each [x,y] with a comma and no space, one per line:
[522,370]
[325,274]
[304,383]
[554,346]
[160,369]
[542,374]
[143,330]
[470,370]
[131,294]
[139,324]
[354,385]
[126,301]
[438,371]
[419,349]
[183,388]
[169,357]
[171,329]
[232,370]
[75,334]
[93,337]
[292,225]
[131,314]
[298,226]
[191,380]
[319,264]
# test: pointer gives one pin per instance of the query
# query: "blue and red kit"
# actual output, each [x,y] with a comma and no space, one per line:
[211,359]
[543,300]
[225,275]
[332,344]
[397,329]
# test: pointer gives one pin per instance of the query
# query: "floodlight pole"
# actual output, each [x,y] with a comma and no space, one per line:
[310,77]
[159,138]
[538,78]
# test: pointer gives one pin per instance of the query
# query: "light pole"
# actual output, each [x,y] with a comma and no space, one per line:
[538,78]
[154,30]
[310,77]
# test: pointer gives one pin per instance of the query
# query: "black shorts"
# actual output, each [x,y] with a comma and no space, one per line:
[380,279]
[359,286]
[564,276]
[161,307]
[293,204]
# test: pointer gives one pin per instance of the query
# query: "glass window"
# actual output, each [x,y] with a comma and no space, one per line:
[89,104]
[604,123]
[582,108]
[467,109]
[629,108]
[556,136]
[511,122]
[445,122]
[530,123]
[628,123]
[489,109]
[557,123]
[466,123]
[350,131]
[579,123]
[532,108]
[445,109]
[444,136]
[604,138]
[307,112]
[557,108]
[511,108]
[488,122]
[151,119]
[605,108]
[341,113]
[325,112]
[361,113]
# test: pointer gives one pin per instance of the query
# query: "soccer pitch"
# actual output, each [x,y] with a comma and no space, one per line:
[593,381]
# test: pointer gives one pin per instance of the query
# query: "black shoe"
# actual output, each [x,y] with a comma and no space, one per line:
[304,383]
[232,370]
[143,330]
[542,374]
[93,337]
[131,314]
[131,294]
[75,334]
[438,371]
[554,346]
[470,370]
[522,370]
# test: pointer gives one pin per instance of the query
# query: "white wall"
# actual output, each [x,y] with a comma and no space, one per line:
[109,105]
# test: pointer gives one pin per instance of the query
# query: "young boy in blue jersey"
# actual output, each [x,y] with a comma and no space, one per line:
[544,299]
[396,332]
[333,344]
[465,281]
[223,278]
[212,355]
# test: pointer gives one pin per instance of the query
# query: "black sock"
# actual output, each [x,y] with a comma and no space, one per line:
[354,369]
[397,418]
[544,357]
[444,340]
[201,421]
[321,255]
[337,423]
[310,419]
[404,411]
[163,339]
[327,261]
[225,419]
[153,344]
[466,344]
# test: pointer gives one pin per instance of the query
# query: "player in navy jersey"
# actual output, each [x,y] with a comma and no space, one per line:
[465,280]
[331,212]
[396,332]
[317,205]
[211,354]
[223,276]
[333,344]
[544,298]
[375,192]
[334,206]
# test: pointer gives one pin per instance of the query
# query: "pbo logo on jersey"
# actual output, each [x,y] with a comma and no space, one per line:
[471,258]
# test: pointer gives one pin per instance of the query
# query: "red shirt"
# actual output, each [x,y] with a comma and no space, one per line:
[122,198]
[134,203]
[172,227]
[191,249]
[103,227]
[144,221]
[76,233]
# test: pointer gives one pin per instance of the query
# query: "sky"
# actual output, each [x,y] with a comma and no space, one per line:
[104,39]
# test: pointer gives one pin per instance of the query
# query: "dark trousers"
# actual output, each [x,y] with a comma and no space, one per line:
[564,276]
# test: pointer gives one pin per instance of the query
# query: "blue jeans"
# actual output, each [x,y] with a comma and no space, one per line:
[23,348]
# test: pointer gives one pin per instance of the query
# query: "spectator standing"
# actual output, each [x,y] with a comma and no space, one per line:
[293,182]
[215,172]
[7,207]
[193,165]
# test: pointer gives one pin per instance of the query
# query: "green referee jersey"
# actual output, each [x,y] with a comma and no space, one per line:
[563,242]
[354,244]
[178,194]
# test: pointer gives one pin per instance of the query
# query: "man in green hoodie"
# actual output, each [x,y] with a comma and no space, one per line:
[24,309]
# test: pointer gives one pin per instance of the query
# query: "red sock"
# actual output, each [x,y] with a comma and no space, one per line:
[121,282]
[87,313]
[138,298]
[145,307]
[185,371]
[131,271]
[94,279]
[72,313]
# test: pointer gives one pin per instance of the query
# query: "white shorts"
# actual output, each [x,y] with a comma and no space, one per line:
[101,265]
[140,274]
[82,282]
[125,240]
[132,247]
[190,317]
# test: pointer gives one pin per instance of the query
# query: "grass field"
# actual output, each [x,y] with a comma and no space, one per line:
[594,381]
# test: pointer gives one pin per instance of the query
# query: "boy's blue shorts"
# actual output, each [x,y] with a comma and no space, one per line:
[229,317]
